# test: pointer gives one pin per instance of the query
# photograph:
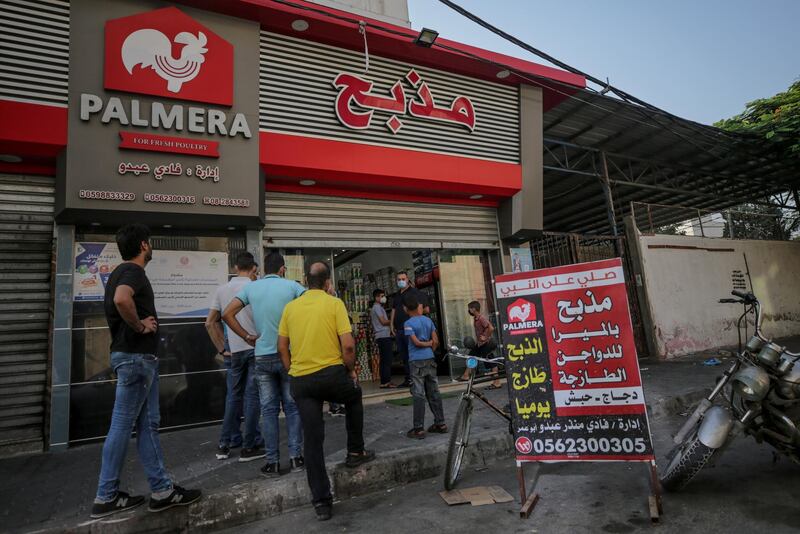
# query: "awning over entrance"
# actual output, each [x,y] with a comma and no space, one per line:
[647,156]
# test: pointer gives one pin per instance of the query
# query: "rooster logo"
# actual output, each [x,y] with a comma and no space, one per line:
[520,310]
[151,48]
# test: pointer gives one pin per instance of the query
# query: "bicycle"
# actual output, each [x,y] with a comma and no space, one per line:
[459,435]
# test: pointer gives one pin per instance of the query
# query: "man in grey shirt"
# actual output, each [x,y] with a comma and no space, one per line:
[242,396]
[383,337]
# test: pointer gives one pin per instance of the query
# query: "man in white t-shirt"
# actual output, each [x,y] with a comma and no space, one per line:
[240,362]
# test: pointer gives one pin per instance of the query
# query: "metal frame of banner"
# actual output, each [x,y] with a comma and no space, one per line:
[528,501]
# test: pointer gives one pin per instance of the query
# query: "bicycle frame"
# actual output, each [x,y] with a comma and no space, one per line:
[473,393]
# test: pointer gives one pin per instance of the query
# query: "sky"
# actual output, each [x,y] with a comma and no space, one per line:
[699,59]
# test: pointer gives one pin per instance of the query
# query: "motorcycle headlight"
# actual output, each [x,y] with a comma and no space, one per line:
[752,383]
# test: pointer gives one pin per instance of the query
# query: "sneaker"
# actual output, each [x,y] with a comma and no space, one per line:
[271,470]
[324,512]
[297,464]
[178,497]
[416,433]
[437,429]
[405,384]
[248,455]
[354,460]
[337,412]
[223,453]
[121,502]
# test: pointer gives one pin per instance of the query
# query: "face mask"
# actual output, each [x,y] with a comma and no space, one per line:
[383,300]
[402,284]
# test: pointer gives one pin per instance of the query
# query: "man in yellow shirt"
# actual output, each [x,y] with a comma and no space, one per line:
[321,364]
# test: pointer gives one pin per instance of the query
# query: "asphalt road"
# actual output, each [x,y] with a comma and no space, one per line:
[744,492]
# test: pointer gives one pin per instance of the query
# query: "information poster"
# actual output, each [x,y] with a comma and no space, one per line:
[521,260]
[183,282]
[93,265]
[573,374]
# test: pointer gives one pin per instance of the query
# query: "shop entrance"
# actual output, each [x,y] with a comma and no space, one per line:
[450,278]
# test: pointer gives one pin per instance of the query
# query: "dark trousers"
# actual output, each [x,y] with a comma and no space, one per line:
[387,354]
[425,387]
[330,384]
[402,349]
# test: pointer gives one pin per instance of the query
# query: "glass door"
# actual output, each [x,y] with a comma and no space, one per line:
[465,276]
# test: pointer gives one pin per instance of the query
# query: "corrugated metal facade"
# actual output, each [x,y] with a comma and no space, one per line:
[34,51]
[298,97]
[26,236]
[295,220]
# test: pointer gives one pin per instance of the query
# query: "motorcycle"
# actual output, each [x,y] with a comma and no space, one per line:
[759,395]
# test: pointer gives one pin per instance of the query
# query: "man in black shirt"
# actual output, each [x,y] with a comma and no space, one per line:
[131,314]
[399,318]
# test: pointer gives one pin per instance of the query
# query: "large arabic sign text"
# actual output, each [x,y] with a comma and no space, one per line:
[355,104]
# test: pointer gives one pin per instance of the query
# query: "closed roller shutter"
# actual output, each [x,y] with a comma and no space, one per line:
[295,220]
[26,236]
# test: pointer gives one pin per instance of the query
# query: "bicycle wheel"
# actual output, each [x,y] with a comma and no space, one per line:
[459,439]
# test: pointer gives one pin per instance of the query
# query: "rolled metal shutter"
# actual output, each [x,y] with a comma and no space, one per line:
[295,220]
[26,239]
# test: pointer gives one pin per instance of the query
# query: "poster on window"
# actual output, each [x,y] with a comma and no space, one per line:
[521,259]
[183,281]
[573,374]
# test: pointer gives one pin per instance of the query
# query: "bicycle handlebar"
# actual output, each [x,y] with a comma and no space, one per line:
[455,352]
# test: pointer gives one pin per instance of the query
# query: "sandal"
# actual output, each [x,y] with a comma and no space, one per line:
[388,385]
[462,379]
[437,429]
[491,387]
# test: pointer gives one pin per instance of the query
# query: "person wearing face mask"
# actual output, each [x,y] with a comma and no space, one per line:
[267,298]
[484,340]
[383,338]
[400,316]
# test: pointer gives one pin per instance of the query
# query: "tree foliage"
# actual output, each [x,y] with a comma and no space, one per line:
[776,119]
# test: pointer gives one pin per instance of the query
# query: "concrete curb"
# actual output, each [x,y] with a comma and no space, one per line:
[255,500]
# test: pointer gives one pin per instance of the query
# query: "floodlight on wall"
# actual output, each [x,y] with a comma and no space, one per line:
[426,37]
[299,25]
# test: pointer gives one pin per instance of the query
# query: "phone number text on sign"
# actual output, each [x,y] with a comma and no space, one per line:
[169,199]
[90,194]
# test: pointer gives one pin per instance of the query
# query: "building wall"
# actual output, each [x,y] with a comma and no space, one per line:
[686,276]
[392,11]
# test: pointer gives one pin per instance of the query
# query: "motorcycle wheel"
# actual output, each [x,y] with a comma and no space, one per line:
[686,460]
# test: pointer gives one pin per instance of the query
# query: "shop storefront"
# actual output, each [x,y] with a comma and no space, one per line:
[237,126]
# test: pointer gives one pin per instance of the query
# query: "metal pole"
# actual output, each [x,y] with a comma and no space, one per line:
[612,219]
[700,220]
[731,233]
[62,339]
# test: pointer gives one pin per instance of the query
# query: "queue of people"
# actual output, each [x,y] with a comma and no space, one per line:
[286,347]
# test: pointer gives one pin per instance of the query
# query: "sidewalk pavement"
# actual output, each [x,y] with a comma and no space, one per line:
[54,491]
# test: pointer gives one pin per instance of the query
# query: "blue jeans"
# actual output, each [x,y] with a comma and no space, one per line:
[273,388]
[242,389]
[135,408]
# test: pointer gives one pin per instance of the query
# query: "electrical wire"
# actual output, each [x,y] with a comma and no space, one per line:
[540,79]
